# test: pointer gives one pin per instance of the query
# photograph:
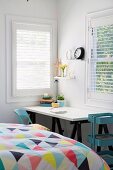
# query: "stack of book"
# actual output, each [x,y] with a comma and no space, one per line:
[46,102]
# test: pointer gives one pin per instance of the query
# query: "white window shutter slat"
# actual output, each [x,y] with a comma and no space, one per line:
[33,50]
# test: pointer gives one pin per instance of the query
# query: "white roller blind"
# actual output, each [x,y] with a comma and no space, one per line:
[33,51]
[101,52]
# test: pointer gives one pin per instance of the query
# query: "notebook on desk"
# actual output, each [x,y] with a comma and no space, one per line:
[58,110]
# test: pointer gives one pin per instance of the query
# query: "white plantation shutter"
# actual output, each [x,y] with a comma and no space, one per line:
[101,55]
[32,57]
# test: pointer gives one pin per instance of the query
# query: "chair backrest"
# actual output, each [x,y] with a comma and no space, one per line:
[101,118]
[23,117]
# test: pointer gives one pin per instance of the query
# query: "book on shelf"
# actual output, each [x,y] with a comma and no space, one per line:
[46,101]
[45,104]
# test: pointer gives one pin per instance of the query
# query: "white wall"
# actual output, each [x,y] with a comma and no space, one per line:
[33,8]
[72,29]
[71,23]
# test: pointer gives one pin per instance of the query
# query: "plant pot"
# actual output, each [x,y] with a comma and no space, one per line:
[61,103]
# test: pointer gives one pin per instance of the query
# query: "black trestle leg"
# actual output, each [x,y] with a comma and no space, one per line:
[79,132]
[53,124]
[74,131]
[59,126]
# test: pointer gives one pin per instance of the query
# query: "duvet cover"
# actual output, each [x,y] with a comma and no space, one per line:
[28,147]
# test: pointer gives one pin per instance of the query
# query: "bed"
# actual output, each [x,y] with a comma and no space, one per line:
[31,147]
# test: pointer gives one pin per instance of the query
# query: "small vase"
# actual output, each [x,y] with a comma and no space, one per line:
[63,73]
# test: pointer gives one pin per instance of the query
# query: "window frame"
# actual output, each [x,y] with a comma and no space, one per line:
[27,95]
[93,98]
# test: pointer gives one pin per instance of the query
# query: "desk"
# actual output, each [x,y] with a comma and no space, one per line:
[75,116]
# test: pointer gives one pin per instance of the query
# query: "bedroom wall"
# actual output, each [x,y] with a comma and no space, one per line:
[33,8]
[71,24]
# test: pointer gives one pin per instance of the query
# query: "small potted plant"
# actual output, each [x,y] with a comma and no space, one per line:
[60,100]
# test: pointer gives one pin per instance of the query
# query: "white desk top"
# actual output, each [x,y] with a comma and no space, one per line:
[71,114]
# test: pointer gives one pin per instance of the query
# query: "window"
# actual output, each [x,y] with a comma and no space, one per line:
[32,54]
[100,57]
[31,58]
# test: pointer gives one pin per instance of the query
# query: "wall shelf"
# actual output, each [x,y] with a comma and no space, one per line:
[64,78]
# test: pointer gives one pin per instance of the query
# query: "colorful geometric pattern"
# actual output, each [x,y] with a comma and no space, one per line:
[23,147]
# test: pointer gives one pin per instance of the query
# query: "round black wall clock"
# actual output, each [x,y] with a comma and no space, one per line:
[79,53]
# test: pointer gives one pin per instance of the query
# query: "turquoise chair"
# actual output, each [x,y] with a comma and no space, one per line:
[102,140]
[23,117]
